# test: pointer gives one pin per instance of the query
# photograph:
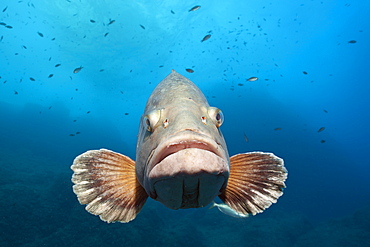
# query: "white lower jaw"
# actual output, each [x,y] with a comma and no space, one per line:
[191,167]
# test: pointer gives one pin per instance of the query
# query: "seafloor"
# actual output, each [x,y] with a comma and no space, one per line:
[38,208]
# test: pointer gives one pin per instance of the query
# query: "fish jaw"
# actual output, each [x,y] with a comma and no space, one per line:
[187,170]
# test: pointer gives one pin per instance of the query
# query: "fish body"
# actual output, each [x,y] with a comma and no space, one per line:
[182,161]
[172,132]
[76,70]
[253,78]
[194,8]
[222,207]
[111,22]
[207,37]
[246,138]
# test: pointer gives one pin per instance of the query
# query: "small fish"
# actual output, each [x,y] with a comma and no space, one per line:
[78,132]
[304,72]
[105,35]
[25,47]
[172,12]
[71,134]
[206,38]
[15,92]
[253,78]
[245,137]
[277,129]
[51,75]
[2,24]
[194,8]
[57,65]
[1,39]
[190,70]
[5,8]
[325,110]
[7,26]
[111,22]
[322,141]
[181,161]
[228,211]
[142,26]
[32,79]
[321,129]
[76,70]
[92,21]
[352,41]
[40,34]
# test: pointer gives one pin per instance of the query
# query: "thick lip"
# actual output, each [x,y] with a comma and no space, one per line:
[183,140]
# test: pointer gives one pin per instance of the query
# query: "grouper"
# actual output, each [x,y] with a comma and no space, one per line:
[181,161]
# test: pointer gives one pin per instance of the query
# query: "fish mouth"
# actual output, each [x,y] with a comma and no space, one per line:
[187,170]
[175,147]
[183,140]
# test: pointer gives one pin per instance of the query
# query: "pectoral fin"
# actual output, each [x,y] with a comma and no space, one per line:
[256,181]
[107,183]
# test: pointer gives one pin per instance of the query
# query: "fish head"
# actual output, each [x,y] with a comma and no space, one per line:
[182,159]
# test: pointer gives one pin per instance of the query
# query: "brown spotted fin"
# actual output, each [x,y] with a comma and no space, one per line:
[106,181]
[256,181]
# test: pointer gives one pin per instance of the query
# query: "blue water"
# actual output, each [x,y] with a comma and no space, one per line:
[312,61]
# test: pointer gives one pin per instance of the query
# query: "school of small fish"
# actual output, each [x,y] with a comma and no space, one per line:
[208,38]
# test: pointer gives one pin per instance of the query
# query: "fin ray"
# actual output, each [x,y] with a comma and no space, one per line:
[106,181]
[256,181]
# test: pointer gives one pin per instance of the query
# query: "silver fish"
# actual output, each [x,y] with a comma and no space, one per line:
[228,211]
[76,70]
[181,161]
[253,78]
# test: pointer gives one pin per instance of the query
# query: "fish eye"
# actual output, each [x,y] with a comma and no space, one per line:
[216,115]
[150,120]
